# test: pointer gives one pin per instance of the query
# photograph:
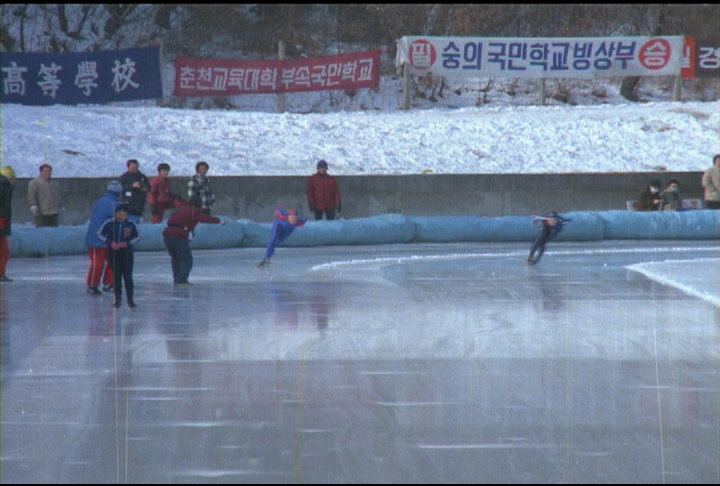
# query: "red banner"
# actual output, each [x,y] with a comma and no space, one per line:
[701,58]
[217,77]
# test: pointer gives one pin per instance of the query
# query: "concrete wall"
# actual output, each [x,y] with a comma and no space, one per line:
[255,197]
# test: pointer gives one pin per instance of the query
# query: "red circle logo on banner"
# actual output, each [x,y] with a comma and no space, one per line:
[422,54]
[655,54]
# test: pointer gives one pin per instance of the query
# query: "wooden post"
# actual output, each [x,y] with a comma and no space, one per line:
[406,89]
[676,88]
[542,91]
[281,96]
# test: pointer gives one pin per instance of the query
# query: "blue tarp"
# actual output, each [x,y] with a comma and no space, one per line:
[704,224]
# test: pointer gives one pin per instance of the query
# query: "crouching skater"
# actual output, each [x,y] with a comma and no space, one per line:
[283,226]
[550,225]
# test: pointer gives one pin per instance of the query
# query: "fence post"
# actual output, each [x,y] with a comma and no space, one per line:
[542,91]
[281,96]
[406,89]
[676,88]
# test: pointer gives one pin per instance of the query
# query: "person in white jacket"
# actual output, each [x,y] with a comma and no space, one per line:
[711,185]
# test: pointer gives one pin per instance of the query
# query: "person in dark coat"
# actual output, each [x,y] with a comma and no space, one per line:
[160,197]
[136,186]
[120,234]
[177,235]
[550,225]
[98,266]
[283,226]
[649,198]
[323,194]
[670,197]
[7,186]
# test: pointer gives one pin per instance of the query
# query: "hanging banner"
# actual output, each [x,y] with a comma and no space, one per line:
[81,77]
[701,58]
[565,57]
[216,77]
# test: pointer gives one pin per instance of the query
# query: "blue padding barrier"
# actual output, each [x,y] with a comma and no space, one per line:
[703,224]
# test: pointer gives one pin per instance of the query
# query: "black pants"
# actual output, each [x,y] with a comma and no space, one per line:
[122,262]
[330,213]
[181,259]
[543,236]
[711,204]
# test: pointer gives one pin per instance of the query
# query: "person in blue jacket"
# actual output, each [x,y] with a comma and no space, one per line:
[120,234]
[98,267]
[550,225]
[283,226]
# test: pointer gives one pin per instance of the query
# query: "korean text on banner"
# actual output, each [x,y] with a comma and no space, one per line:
[566,57]
[217,77]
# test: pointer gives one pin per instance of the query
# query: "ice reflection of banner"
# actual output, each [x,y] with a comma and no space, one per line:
[218,77]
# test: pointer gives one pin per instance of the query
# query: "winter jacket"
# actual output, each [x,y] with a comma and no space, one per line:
[135,196]
[114,231]
[322,192]
[183,220]
[45,194]
[200,193]
[711,184]
[6,192]
[645,200]
[102,210]
[160,193]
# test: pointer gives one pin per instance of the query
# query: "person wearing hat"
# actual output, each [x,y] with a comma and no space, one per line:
[323,194]
[649,198]
[283,226]
[98,267]
[120,234]
[44,198]
[711,185]
[160,197]
[7,186]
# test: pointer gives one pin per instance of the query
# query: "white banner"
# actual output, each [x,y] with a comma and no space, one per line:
[554,57]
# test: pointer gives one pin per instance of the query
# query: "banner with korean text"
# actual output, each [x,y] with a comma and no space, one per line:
[556,57]
[701,58]
[81,77]
[216,77]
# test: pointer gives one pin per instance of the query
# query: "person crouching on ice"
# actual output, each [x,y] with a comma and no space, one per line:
[551,225]
[282,227]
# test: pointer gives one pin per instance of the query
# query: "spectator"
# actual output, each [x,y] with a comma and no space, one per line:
[282,227]
[98,266]
[177,235]
[200,193]
[323,195]
[671,196]
[7,186]
[711,185]
[120,234]
[649,198]
[160,196]
[44,198]
[136,187]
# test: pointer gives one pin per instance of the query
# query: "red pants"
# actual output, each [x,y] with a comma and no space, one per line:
[98,267]
[4,254]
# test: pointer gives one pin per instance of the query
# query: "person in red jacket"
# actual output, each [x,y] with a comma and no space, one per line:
[177,235]
[160,197]
[323,195]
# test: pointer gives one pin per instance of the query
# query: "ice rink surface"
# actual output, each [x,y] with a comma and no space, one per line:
[452,363]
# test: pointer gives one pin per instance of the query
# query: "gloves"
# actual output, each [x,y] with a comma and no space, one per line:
[34,210]
[116,246]
[339,208]
[153,210]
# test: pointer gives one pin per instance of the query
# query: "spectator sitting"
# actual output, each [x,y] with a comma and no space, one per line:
[671,196]
[649,198]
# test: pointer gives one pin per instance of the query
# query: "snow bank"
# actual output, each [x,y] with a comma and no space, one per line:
[703,224]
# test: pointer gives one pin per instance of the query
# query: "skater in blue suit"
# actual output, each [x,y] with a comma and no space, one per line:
[283,226]
[550,225]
